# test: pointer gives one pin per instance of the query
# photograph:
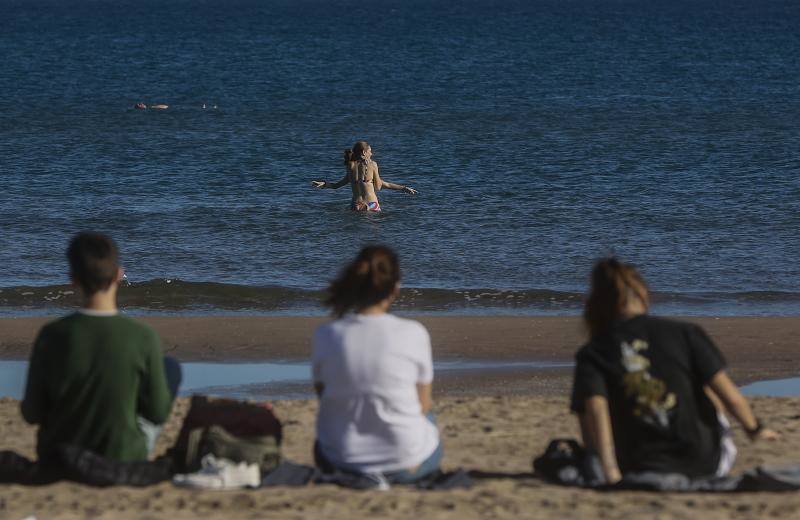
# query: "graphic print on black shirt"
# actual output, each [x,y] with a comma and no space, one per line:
[652,403]
[653,372]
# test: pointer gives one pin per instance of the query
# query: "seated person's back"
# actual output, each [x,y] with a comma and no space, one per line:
[649,392]
[93,373]
[373,373]
[652,371]
[370,415]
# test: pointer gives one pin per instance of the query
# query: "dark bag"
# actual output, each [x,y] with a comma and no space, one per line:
[566,462]
[216,440]
[240,431]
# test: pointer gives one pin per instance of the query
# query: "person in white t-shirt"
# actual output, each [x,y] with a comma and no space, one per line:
[373,373]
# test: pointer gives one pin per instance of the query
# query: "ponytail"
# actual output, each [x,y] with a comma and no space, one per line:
[369,279]
[613,283]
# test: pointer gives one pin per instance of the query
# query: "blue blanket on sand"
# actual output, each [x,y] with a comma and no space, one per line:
[566,463]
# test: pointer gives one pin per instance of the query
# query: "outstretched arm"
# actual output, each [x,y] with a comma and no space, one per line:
[598,436]
[737,405]
[332,185]
[379,183]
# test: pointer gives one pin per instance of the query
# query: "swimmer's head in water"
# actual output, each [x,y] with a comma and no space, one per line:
[140,106]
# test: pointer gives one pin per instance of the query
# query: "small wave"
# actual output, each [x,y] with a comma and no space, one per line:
[165,295]
[169,295]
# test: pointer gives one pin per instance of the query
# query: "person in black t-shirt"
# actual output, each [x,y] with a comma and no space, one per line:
[649,391]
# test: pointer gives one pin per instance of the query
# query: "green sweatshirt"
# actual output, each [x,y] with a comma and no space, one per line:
[89,378]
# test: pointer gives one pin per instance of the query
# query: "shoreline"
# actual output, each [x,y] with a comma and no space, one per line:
[756,348]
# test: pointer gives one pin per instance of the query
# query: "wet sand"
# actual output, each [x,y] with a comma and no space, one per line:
[494,422]
[755,347]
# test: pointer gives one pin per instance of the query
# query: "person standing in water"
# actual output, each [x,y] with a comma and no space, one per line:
[364,179]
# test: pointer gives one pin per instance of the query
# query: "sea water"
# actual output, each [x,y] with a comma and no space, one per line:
[541,134]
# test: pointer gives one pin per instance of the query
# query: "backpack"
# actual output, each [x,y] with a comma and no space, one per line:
[566,462]
[240,431]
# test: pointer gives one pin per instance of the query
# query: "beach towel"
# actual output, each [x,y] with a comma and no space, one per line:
[16,469]
[565,462]
[291,474]
[446,480]
[762,478]
[86,467]
[81,465]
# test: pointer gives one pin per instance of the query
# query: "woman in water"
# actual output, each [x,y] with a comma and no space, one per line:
[362,175]
[373,373]
[649,391]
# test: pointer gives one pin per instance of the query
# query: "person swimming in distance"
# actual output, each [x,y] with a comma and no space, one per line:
[142,106]
[364,179]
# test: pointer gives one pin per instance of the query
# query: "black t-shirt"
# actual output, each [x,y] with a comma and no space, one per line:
[652,371]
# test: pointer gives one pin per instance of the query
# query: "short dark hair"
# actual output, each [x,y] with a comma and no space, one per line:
[93,261]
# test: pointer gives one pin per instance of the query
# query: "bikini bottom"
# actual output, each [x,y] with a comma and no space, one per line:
[373,207]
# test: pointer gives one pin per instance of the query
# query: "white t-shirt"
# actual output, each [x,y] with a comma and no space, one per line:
[370,418]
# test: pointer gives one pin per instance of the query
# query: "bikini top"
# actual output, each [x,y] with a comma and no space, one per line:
[365,163]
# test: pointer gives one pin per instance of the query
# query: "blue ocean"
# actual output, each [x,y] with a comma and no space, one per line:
[541,135]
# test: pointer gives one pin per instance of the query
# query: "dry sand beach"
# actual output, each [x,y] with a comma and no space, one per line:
[493,422]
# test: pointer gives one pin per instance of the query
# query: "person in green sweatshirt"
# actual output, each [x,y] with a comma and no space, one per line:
[97,379]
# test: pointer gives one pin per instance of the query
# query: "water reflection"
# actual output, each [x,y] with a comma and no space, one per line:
[775,388]
[233,379]
[292,380]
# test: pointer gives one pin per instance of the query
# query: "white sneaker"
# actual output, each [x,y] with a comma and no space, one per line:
[221,474]
[383,484]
